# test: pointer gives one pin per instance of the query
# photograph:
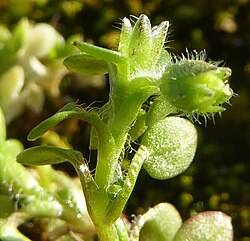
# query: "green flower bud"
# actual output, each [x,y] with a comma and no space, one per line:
[143,45]
[194,86]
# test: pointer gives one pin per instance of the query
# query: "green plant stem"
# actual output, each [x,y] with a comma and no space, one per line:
[107,232]
[112,232]
[114,210]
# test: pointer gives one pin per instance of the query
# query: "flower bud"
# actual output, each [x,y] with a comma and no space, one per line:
[144,46]
[196,87]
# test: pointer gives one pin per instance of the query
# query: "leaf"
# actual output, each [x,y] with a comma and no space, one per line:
[52,121]
[13,174]
[107,55]
[46,155]
[206,226]
[160,223]
[85,64]
[172,144]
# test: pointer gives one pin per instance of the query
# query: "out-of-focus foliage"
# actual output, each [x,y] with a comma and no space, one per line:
[218,179]
[41,193]
[31,64]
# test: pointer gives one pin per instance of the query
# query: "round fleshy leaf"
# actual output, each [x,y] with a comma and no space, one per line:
[206,226]
[158,223]
[172,143]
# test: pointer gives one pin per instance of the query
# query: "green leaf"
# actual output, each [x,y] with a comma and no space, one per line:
[13,174]
[70,110]
[206,226]
[85,64]
[171,143]
[101,53]
[46,155]
[52,121]
[44,208]
[159,223]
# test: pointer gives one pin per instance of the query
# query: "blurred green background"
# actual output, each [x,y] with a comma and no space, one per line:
[219,178]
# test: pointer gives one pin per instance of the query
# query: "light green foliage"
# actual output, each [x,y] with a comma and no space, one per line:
[140,72]
[30,66]
[36,200]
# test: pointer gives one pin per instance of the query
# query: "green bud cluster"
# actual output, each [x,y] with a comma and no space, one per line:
[196,87]
[143,46]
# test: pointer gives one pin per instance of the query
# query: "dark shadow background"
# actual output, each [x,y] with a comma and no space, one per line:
[218,179]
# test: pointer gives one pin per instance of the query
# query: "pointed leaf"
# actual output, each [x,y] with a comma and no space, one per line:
[159,223]
[46,155]
[71,110]
[172,144]
[52,121]
[206,226]
[85,64]
[101,53]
